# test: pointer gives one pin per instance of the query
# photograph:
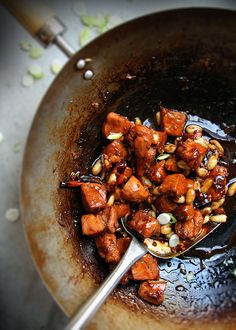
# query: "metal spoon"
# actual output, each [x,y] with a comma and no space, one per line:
[135,251]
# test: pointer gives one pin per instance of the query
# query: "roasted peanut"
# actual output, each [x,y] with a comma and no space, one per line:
[158,118]
[218,146]
[170,148]
[112,179]
[232,189]
[206,185]
[204,142]
[212,162]
[197,185]
[181,164]
[156,191]
[190,196]
[137,121]
[165,229]
[97,167]
[152,213]
[191,129]
[111,200]
[207,210]
[201,172]
[206,219]
[217,204]
[218,218]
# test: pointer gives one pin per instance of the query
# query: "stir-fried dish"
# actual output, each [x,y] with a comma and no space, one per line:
[168,182]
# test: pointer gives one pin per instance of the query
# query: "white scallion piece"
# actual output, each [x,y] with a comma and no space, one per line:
[174,240]
[1,138]
[12,214]
[27,80]
[25,45]
[163,156]
[164,218]
[190,276]
[114,136]
[172,218]
[56,66]
[36,52]
[36,71]
[88,74]
[81,64]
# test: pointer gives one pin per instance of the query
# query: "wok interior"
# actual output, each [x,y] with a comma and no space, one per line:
[176,61]
[198,82]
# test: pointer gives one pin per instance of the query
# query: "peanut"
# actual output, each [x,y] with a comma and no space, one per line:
[206,219]
[181,164]
[137,121]
[207,210]
[191,129]
[218,218]
[190,196]
[218,146]
[232,189]
[97,167]
[112,179]
[212,162]
[206,185]
[111,200]
[201,172]
[180,199]
[217,204]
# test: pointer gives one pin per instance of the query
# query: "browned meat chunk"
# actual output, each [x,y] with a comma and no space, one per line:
[146,142]
[114,153]
[145,269]
[171,164]
[92,225]
[122,173]
[190,228]
[217,190]
[115,123]
[185,212]
[174,185]
[93,196]
[122,210]
[134,191]
[157,172]
[190,183]
[192,153]
[164,204]
[123,244]
[107,247]
[140,166]
[144,224]
[172,122]
[110,217]
[152,291]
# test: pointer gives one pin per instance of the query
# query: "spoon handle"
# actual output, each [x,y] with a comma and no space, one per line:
[135,251]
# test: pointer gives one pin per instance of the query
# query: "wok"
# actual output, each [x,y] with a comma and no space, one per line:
[184,59]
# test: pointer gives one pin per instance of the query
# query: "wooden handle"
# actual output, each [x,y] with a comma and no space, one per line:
[31,14]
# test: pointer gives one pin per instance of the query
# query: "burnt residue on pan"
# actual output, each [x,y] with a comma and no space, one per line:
[201,284]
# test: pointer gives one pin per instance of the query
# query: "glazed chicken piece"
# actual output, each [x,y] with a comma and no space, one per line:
[115,123]
[165,204]
[145,269]
[123,244]
[190,228]
[174,185]
[92,225]
[134,191]
[152,291]
[93,196]
[171,164]
[144,224]
[172,122]
[191,152]
[157,172]
[107,247]
[115,152]
[122,173]
[217,190]
[185,212]
[110,217]
[122,210]
[140,167]
[146,141]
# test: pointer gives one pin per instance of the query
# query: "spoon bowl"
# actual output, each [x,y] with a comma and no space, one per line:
[160,249]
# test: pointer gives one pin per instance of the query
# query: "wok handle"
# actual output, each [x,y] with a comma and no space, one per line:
[135,251]
[40,22]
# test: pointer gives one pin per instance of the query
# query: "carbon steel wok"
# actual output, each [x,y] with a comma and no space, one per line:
[184,59]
